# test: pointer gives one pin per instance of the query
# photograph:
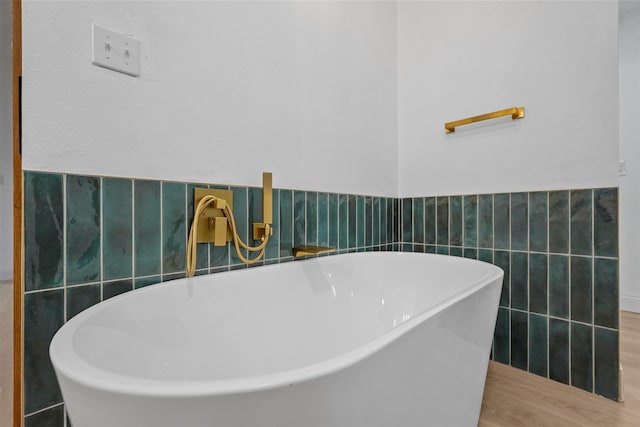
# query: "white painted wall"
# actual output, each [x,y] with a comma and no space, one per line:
[306,90]
[460,59]
[6,145]
[629,55]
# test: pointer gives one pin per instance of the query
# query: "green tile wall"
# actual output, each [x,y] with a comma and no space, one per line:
[558,317]
[558,314]
[124,234]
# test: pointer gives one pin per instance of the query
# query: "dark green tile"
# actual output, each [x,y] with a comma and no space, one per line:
[273,246]
[141,282]
[455,227]
[407,247]
[418,247]
[52,417]
[605,292]
[485,221]
[147,227]
[519,339]
[117,212]
[442,250]
[471,221]
[407,220]
[430,249]
[581,356]
[538,283]
[202,249]
[360,212]
[182,275]
[117,287]
[605,226]
[396,220]
[241,214]
[80,298]
[220,255]
[606,348]
[559,350]
[383,221]
[538,221]
[368,221]
[455,251]
[501,221]
[43,316]
[376,221]
[581,224]
[559,286]
[501,338]
[581,289]
[312,218]
[43,231]
[323,219]
[353,219]
[486,255]
[442,220]
[418,219]
[502,260]
[254,215]
[83,229]
[343,221]
[519,221]
[430,220]
[559,222]
[519,276]
[538,345]
[286,223]
[471,253]
[334,225]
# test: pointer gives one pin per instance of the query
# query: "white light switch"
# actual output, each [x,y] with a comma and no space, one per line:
[115,51]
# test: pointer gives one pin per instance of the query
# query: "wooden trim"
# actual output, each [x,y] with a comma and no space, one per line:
[18,255]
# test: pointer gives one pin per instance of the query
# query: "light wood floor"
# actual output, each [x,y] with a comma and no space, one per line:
[6,353]
[516,398]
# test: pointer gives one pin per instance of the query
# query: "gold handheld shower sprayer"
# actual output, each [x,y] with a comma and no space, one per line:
[213,221]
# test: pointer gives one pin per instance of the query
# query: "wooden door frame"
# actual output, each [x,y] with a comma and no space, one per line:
[18,255]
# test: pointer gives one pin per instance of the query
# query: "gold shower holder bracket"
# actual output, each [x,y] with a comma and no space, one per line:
[213,224]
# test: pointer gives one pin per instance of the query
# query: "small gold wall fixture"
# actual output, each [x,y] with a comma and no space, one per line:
[260,229]
[301,251]
[515,113]
[213,224]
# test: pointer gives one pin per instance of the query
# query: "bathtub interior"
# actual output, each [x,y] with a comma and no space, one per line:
[269,320]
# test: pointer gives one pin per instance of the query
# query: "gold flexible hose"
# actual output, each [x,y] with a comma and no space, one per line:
[192,243]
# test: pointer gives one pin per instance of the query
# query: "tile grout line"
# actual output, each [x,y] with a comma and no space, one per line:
[570,278]
[64,247]
[102,233]
[593,289]
[548,286]
[161,229]
[133,234]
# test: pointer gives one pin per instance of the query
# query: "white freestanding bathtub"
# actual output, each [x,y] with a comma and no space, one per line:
[365,339]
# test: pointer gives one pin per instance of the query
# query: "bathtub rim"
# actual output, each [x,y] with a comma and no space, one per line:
[78,370]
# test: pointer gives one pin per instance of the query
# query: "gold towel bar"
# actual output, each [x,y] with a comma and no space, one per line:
[301,251]
[515,112]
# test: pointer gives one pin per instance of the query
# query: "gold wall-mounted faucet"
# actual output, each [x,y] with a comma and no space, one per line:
[213,221]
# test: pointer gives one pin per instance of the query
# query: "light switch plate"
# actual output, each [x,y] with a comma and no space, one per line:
[115,51]
[622,168]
